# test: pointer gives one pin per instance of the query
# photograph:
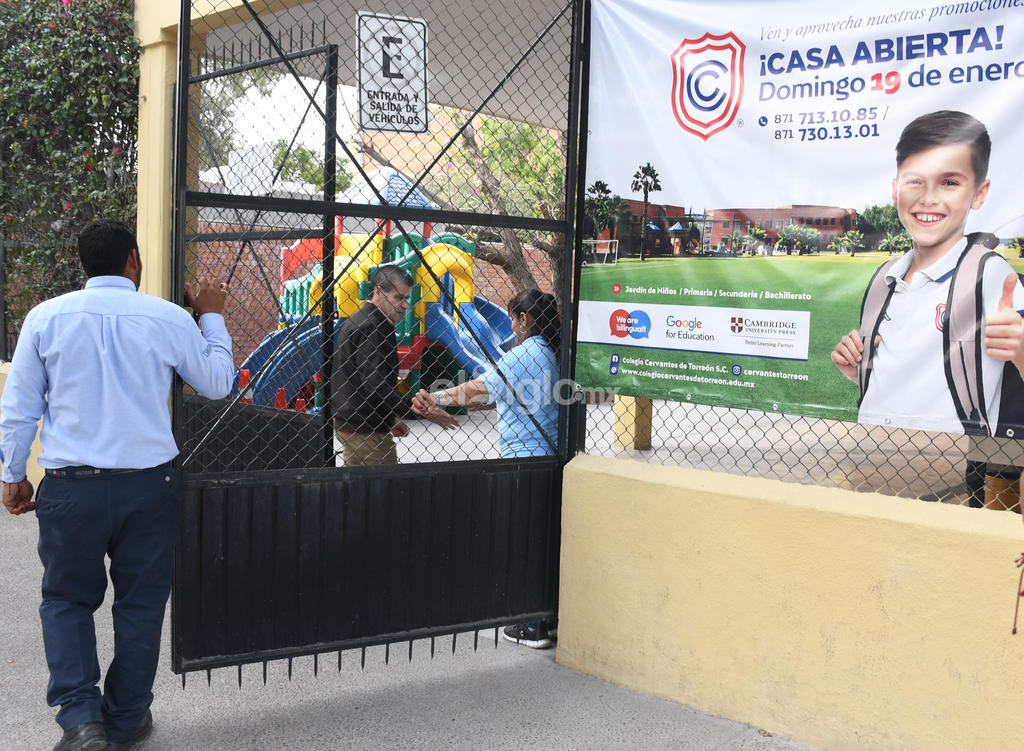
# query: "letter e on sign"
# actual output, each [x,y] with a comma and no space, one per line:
[392,53]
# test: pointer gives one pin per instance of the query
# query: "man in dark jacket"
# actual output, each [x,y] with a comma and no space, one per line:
[367,406]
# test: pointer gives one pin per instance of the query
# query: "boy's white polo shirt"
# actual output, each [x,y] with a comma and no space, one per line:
[908,385]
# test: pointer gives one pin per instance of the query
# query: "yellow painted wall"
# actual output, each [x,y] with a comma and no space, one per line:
[156,27]
[844,620]
[33,470]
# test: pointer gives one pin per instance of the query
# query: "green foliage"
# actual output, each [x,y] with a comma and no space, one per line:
[879,220]
[1016,245]
[799,237]
[528,158]
[896,242]
[754,238]
[304,165]
[848,242]
[219,98]
[603,207]
[68,122]
[524,164]
[645,180]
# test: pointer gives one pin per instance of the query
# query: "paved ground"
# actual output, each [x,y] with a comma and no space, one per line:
[507,697]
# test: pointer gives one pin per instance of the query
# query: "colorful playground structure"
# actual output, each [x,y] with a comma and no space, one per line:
[434,339]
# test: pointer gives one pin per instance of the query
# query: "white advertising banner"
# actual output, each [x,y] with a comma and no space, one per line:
[762,137]
[751,103]
[781,334]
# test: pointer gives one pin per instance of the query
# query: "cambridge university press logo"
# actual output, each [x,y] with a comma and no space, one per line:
[736,324]
[707,83]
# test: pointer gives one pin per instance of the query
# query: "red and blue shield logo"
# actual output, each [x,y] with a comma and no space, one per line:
[707,83]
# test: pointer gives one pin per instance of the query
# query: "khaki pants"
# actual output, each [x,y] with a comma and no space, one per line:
[374,448]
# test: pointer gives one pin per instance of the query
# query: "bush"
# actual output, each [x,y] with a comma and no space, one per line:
[68,126]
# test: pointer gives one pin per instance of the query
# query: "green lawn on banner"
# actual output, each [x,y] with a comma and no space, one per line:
[836,286]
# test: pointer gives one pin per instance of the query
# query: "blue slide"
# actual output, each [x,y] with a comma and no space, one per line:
[292,367]
[489,322]
[296,363]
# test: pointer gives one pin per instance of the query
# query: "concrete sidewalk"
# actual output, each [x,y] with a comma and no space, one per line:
[508,697]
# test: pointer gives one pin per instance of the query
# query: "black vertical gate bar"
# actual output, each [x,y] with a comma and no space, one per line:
[581,97]
[327,265]
[574,178]
[179,125]
[179,130]
[3,298]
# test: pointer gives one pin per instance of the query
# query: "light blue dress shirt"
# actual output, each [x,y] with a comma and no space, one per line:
[97,365]
[532,371]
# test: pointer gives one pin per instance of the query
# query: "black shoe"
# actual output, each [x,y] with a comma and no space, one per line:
[533,635]
[141,733]
[89,736]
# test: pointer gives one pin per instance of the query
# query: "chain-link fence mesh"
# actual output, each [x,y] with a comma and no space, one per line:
[326,141]
[930,466]
[471,202]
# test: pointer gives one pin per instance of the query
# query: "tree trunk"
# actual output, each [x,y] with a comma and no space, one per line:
[643,229]
[510,256]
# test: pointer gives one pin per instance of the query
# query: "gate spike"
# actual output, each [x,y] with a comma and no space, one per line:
[387,652]
[431,647]
[454,637]
[339,660]
[362,660]
[476,638]
[208,676]
[410,650]
[264,672]
[496,636]
[239,677]
[316,664]
[289,668]
[183,681]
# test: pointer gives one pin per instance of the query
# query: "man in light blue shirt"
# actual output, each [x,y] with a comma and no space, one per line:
[96,365]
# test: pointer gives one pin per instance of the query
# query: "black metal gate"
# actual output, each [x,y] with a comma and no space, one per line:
[297,175]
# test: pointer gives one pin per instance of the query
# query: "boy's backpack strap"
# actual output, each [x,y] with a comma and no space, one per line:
[963,320]
[872,310]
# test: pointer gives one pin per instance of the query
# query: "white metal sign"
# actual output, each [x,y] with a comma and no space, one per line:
[392,73]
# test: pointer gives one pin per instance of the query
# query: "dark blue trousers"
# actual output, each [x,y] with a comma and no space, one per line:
[131,519]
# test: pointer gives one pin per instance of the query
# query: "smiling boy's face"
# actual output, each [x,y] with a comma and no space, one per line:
[933,192]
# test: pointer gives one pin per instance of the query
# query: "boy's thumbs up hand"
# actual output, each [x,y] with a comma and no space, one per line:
[1004,329]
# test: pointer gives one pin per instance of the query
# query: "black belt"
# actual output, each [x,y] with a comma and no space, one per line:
[81,472]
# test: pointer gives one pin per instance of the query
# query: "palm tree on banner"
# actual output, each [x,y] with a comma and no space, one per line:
[645,181]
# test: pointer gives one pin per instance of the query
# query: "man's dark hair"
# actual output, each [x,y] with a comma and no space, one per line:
[944,128]
[391,277]
[104,246]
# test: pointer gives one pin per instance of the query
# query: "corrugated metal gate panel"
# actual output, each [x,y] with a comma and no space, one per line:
[279,564]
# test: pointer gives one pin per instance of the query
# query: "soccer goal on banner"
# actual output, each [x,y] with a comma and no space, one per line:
[600,251]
